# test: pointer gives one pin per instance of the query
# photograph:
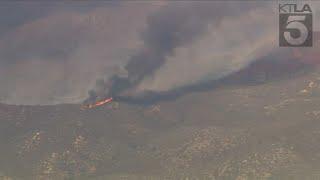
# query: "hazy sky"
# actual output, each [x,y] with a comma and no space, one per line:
[54,52]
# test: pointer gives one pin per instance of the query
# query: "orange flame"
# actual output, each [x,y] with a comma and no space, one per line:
[99,103]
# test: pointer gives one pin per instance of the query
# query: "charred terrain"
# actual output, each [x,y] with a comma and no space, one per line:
[247,128]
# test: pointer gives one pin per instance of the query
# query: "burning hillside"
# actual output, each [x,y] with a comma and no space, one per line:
[266,130]
[96,104]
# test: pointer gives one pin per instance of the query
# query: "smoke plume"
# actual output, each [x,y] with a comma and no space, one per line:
[53,53]
[189,43]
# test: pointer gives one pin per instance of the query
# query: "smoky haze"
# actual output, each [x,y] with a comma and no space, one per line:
[56,56]
[72,52]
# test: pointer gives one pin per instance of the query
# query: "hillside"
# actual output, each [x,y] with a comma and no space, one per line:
[268,128]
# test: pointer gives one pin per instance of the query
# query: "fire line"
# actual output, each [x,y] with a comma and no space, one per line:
[98,103]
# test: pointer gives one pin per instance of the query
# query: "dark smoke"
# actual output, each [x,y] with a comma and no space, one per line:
[171,27]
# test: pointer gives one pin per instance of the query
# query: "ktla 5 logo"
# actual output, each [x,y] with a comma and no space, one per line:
[295,25]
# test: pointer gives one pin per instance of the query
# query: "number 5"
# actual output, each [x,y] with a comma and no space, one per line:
[294,23]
